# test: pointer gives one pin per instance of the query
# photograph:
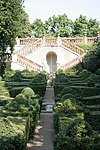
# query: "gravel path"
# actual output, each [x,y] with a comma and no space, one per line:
[43,138]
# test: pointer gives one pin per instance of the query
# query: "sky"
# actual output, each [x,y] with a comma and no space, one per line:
[43,9]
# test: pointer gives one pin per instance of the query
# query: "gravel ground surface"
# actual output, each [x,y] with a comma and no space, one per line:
[44,133]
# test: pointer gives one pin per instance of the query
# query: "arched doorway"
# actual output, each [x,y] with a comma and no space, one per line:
[51,59]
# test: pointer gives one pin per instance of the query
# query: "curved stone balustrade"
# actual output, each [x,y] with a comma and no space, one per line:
[72,47]
[26,50]
[71,63]
[28,64]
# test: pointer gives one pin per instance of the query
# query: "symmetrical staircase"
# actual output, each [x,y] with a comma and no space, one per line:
[26,50]
[30,46]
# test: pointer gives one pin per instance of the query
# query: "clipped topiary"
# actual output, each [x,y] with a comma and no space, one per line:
[67,90]
[68,106]
[68,96]
[85,73]
[93,79]
[28,92]
[79,128]
[98,71]
[11,138]
[22,100]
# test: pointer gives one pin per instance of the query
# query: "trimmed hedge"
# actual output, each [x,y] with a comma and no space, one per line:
[91,100]
[12,136]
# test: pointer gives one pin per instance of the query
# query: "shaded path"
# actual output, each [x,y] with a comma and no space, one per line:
[43,138]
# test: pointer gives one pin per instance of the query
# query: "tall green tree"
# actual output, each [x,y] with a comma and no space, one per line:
[10,12]
[93,27]
[80,26]
[24,28]
[60,24]
[38,28]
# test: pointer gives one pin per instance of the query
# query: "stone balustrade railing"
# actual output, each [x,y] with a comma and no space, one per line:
[91,41]
[28,64]
[26,41]
[80,40]
[26,50]
[72,63]
[73,40]
[51,42]
[72,47]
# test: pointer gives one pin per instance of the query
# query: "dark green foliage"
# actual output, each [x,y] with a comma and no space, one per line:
[68,96]
[67,90]
[98,71]
[24,104]
[91,60]
[17,76]
[38,28]
[68,107]
[13,22]
[71,115]
[84,73]
[22,79]
[66,27]
[9,21]
[79,128]
[38,84]
[11,136]
[86,91]
[60,82]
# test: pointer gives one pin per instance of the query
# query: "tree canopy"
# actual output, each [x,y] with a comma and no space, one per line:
[66,27]
[13,22]
[92,59]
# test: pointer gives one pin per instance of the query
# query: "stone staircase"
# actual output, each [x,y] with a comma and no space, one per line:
[32,46]
[26,50]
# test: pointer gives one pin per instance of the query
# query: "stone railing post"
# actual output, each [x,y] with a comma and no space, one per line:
[85,38]
[17,41]
[58,40]
[98,37]
[44,40]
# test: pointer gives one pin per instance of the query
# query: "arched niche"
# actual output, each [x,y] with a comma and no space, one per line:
[51,59]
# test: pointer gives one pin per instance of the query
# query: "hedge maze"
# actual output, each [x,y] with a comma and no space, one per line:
[21,96]
[77,111]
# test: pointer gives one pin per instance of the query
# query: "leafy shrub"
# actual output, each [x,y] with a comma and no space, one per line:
[67,90]
[77,132]
[92,58]
[68,96]
[17,76]
[85,73]
[10,136]
[93,79]
[98,71]
[28,92]
[0,78]
[68,107]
